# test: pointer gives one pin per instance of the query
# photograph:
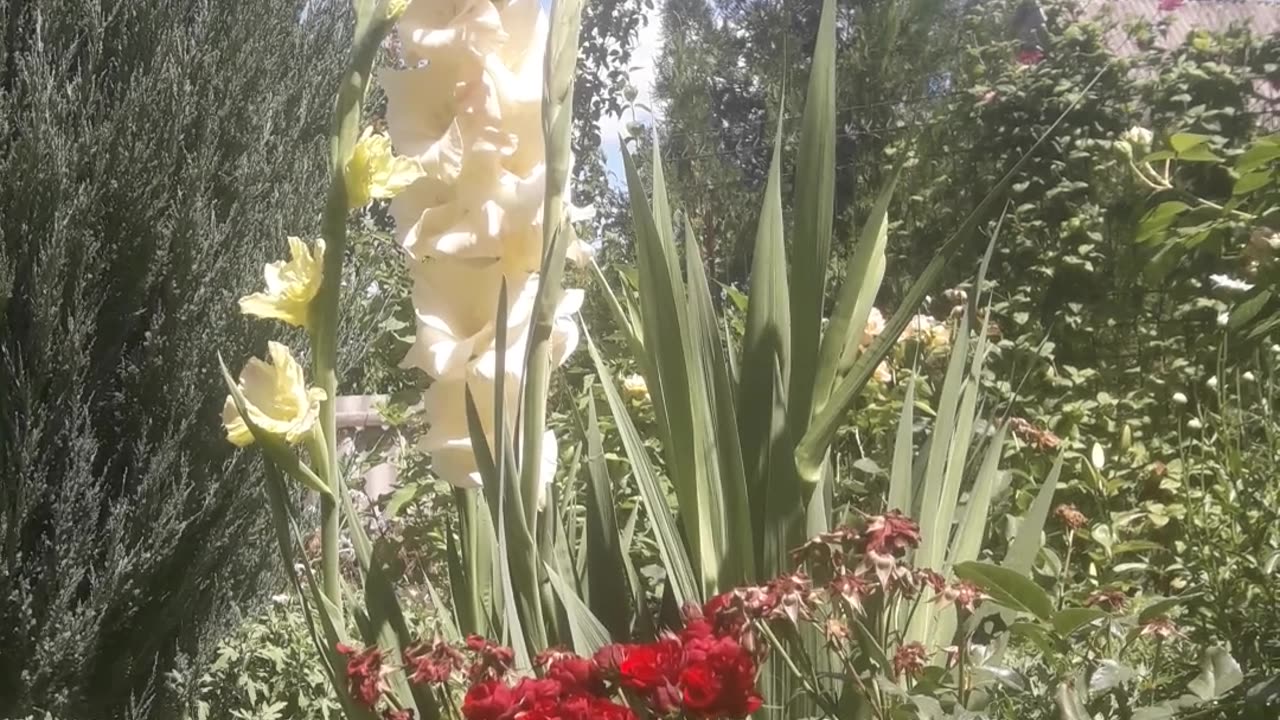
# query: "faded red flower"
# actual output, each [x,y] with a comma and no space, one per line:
[909,660]
[1040,439]
[492,661]
[432,665]
[965,595]
[718,679]
[891,534]
[1070,517]
[1170,5]
[935,582]
[1030,56]
[1110,600]
[789,596]
[851,587]
[364,673]
[488,700]
[1161,628]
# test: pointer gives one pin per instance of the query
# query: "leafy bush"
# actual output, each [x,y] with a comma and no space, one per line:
[154,155]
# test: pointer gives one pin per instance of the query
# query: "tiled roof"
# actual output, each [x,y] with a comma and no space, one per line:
[1260,16]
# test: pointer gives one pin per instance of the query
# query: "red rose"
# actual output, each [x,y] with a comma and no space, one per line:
[645,668]
[576,675]
[488,700]
[718,679]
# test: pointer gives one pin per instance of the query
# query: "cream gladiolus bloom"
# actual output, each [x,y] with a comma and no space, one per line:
[291,286]
[276,397]
[467,110]
[374,172]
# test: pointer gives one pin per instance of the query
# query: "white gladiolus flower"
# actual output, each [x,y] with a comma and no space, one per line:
[1179,399]
[467,109]
[1212,383]
[1195,424]
[1248,376]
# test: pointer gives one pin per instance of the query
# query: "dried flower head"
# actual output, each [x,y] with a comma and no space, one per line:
[1160,628]
[1110,600]
[909,660]
[1070,517]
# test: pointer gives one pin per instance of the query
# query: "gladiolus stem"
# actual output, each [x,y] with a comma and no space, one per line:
[324,327]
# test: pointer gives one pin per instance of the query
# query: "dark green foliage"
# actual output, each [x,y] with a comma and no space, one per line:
[153,155]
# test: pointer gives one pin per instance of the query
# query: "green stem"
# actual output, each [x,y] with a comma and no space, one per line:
[324,327]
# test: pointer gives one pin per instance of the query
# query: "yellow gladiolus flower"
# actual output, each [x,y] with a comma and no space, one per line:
[375,172]
[635,387]
[291,285]
[277,399]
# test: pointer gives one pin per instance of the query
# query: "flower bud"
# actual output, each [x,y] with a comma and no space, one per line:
[1195,424]
[1179,399]
[1248,377]
[1212,383]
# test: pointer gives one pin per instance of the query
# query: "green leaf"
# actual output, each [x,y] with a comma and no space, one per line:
[675,386]
[1161,608]
[1109,675]
[1155,222]
[1219,674]
[1155,712]
[1069,620]
[588,634]
[814,204]
[1182,142]
[1008,588]
[1248,310]
[1259,153]
[972,529]
[1037,634]
[1067,698]
[1026,544]
[670,547]
[775,499]
[1251,182]
[811,448]
[1200,153]
[863,275]
[607,582]
[900,475]
[732,508]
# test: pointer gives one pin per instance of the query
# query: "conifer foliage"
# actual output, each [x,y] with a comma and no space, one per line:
[153,155]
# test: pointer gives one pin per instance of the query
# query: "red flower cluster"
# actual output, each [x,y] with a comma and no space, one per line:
[490,660]
[364,673]
[433,665]
[1170,5]
[706,671]
[538,699]
[909,660]
[1041,439]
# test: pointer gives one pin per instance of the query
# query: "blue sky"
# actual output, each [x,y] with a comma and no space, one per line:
[642,76]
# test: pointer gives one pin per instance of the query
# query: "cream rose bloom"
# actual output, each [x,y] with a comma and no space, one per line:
[467,110]
[276,397]
[291,286]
